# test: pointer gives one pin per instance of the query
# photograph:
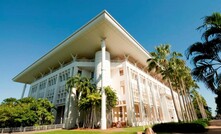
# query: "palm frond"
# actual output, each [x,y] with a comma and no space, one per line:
[210,33]
[194,48]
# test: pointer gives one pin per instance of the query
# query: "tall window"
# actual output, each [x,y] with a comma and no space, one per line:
[122,87]
[79,72]
[92,75]
[34,89]
[63,76]
[121,72]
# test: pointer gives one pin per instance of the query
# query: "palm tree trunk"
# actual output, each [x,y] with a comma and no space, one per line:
[181,107]
[186,99]
[184,104]
[192,107]
[188,113]
[171,90]
[91,119]
[204,111]
[201,107]
[188,106]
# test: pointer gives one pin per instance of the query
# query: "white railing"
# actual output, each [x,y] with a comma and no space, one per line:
[31,128]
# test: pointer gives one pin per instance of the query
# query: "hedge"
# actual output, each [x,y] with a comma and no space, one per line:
[179,127]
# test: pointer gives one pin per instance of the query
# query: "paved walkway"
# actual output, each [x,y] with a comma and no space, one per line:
[214,127]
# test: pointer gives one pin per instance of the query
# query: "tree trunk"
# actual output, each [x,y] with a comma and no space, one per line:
[187,102]
[182,110]
[171,90]
[201,106]
[91,118]
[184,104]
[188,113]
[188,105]
[192,107]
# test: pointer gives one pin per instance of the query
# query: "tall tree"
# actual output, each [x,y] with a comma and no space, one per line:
[203,111]
[160,64]
[206,54]
[188,83]
[179,73]
[88,100]
[82,87]
[91,103]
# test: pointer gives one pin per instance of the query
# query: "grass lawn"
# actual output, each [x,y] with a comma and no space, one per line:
[131,130]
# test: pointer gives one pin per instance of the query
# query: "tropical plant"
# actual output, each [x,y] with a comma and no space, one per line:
[161,65]
[203,111]
[205,55]
[173,69]
[88,100]
[82,87]
[189,85]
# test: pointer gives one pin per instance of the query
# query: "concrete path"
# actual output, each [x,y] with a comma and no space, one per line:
[214,127]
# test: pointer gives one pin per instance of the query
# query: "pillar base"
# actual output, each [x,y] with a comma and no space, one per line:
[103,124]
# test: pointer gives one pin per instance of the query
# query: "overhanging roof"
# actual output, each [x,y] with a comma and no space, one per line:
[84,43]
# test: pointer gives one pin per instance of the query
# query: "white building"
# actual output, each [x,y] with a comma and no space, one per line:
[142,99]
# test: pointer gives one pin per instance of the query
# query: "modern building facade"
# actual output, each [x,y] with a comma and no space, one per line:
[102,49]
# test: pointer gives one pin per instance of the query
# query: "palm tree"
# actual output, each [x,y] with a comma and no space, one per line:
[199,100]
[187,84]
[91,103]
[206,54]
[160,64]
[87,99]
[82,87]
[212,24]
[177,74]
[190,84]
[181,87]
[88,105]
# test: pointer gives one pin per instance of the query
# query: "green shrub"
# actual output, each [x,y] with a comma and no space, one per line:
[204,122]
[179,127]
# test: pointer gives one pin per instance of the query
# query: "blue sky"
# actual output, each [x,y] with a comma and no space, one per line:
[30,28]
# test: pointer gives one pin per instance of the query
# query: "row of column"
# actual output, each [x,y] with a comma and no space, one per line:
[161,110]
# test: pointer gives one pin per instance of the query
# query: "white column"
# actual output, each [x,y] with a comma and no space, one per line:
[141,100]
[153,101]
[165,107]
[103,101]
[30,90]
[128,94]
[147,90]
[23,92]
